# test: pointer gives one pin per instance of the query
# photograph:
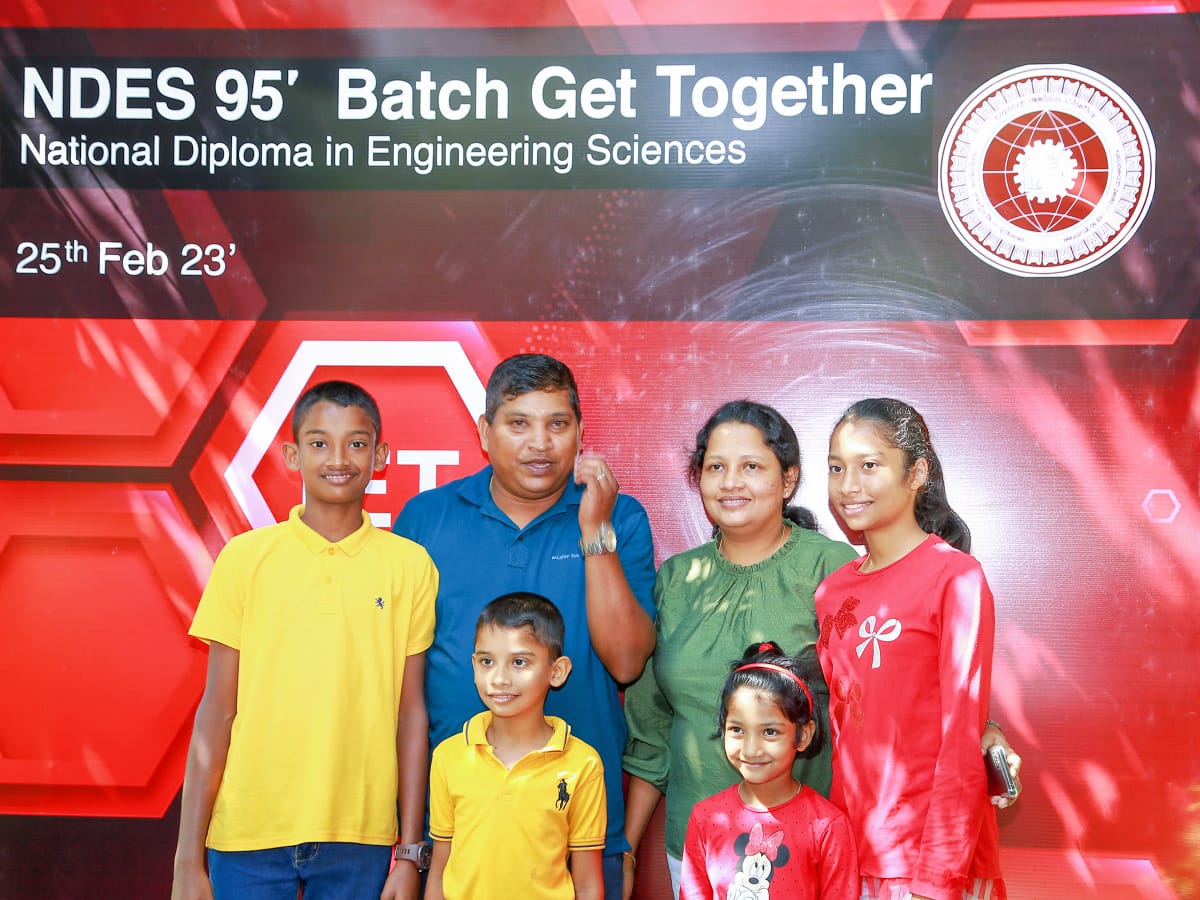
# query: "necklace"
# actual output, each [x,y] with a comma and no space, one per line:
[742,795]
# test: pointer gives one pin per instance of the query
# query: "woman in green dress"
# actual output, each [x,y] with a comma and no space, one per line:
[754,581]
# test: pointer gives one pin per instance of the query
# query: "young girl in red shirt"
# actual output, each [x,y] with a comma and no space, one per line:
[768,835]
[906,648]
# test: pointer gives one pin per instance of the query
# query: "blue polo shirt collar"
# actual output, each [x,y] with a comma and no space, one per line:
[476,490]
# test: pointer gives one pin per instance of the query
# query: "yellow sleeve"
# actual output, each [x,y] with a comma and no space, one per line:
[587,815]
[219,614]
[423,594]
[441,804]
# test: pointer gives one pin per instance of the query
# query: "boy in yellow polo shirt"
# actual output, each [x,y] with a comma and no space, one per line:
[312,725]
[516,793]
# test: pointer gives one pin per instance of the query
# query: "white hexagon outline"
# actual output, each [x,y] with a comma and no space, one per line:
[1165,492]
[448,355]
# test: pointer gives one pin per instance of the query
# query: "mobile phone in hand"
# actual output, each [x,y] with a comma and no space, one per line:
[1001,782]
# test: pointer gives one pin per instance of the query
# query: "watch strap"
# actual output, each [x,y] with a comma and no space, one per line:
[603,542]
[419,854]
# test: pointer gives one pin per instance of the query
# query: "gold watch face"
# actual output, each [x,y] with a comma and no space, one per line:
[605,541]
[608,538]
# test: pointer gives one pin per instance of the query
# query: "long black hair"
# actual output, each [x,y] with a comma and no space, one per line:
[905,429]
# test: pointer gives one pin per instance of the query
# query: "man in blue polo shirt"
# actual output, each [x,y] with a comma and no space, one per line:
[545,519]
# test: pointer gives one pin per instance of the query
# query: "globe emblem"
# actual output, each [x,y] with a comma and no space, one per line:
[1046,170]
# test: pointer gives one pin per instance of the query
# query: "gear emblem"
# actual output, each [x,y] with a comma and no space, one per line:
[1045,171]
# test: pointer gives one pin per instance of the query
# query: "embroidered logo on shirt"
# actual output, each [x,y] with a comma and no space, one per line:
[563,797]
[843,621]
[379,602]
[889,631]
[761,855]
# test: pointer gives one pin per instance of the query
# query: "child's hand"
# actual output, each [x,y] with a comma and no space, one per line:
[191,884]
[993,735]
[403,882]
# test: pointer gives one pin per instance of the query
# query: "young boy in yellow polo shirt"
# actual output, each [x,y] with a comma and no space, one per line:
[516,795]
[312,726]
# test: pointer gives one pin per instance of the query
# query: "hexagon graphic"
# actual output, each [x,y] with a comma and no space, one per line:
[97,585]
[422,374]
[1161,506]
[108,392]
[448,355]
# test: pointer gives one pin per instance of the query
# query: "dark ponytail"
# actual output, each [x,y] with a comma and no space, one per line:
[802,516]
[904,428]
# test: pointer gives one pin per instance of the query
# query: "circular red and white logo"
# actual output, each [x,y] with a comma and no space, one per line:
[1046,170]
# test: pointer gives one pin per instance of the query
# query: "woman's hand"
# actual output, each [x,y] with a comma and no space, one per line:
[629,866]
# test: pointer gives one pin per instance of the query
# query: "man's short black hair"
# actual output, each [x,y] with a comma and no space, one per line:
[525,373]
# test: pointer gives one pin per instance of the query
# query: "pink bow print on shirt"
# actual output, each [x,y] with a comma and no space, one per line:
[767,846]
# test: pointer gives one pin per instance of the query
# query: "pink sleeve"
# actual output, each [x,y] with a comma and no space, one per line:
[837,863]
[958,802]
[693,883]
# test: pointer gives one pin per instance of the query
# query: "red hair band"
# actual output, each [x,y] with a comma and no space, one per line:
[771,667]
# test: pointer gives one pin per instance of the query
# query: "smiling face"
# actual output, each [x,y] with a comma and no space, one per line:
[514,671]
[336,452]
[531,443]
[742,484]
[761,743]
[869,488]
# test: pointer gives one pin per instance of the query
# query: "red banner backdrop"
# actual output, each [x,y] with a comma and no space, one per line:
[143,398]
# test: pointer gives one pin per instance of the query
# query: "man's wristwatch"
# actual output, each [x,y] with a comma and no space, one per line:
[604,541]
[419,854]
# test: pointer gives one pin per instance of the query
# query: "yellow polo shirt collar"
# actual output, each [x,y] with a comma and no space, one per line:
[351,545]
[475,732]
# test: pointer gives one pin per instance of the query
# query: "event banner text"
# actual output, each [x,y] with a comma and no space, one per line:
[501,123]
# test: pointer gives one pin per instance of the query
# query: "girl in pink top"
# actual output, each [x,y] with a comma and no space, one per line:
[768,836]
[906,647]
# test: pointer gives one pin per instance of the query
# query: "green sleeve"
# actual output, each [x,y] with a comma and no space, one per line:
[649,716]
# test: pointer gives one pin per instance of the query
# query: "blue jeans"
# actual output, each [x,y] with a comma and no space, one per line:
[328,871]
[614,873]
